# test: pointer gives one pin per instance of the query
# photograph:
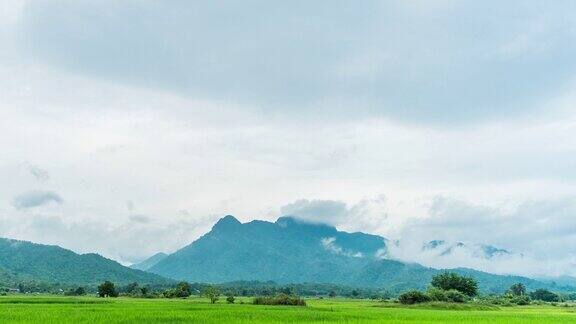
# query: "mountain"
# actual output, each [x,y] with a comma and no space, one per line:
[442,248]
[293,251]
[22,261]
[150,262]
[285,251]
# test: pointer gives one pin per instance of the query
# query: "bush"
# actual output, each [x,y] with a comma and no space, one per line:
[281,299]
[455,296]
[520,300]
[436,294]
[451,296]
[230,299]
[413,297]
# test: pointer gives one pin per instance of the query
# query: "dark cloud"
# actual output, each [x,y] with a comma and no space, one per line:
[425,62]
[36,198]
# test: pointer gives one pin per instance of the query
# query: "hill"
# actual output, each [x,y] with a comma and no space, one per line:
[22,261]
[292,251]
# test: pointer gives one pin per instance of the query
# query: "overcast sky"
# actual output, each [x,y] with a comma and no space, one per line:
[130,127]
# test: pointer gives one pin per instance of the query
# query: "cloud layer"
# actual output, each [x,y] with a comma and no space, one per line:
[445,62]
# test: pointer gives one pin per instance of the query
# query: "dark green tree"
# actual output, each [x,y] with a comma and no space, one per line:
[544,295]
[230,299]
[451,280]
[183,289]
[332,294]
[107,289]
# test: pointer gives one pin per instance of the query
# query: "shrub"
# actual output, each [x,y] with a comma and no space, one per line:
[413,297]
[230,299]
[436,294]
[455,296]
[520,300]
[281,299]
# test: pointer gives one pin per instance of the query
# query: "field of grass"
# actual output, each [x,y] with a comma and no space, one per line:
[54,309]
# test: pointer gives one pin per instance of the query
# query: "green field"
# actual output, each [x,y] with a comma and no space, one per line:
[51,309]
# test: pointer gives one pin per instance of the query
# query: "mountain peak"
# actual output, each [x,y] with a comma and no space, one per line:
[227,221]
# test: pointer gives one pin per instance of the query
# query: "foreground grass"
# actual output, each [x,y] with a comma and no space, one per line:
[51,309]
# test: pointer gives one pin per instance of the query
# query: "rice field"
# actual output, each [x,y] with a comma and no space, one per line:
[56,309]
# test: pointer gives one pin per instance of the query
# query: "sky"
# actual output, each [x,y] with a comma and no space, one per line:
[129,128]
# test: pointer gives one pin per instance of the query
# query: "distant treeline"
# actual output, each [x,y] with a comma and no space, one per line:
[269,288]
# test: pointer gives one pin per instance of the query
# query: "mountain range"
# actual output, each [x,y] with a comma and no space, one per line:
[286,251]
[293,251]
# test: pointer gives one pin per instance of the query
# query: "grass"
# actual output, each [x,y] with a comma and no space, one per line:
[54,309]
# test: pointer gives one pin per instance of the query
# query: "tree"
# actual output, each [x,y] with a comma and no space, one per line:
[517,290]
[544,295]
[107,289]
[451,280]
[230,299]
[80,291]
[212,293]
[332,294]
[183,289]
[355,293]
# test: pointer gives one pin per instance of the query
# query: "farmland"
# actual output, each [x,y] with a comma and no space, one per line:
[59,309]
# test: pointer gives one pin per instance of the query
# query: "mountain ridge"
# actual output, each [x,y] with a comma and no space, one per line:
[290,250]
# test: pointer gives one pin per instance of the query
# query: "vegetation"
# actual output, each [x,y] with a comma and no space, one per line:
[80,291]
[413,297]
[54,309]
[182,290]
[212,293]
[281,299]
[107,289]
[544,295]
[453,281]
